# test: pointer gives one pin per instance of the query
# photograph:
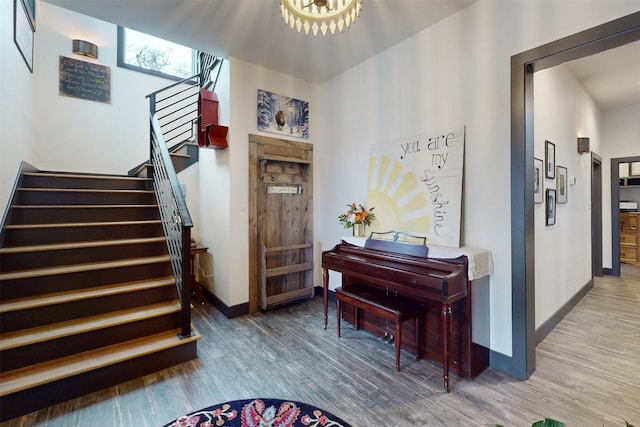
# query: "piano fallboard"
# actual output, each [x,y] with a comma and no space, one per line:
[444,281]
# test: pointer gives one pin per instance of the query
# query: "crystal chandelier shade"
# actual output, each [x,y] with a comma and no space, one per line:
[320,15]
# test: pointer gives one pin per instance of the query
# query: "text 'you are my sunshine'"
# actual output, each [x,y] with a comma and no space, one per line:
[437,147]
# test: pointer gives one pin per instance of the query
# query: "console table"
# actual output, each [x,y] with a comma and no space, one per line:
[196,287]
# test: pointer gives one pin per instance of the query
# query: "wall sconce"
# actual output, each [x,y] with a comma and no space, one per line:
[81,47]
[583,145]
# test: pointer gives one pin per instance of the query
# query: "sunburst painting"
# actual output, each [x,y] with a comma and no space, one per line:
[415,185]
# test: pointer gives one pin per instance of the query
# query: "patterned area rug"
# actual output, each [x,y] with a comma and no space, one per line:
[259,413]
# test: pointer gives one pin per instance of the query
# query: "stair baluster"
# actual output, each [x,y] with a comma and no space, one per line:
[176,220]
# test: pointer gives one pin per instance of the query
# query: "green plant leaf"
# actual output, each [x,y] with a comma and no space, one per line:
[548,422]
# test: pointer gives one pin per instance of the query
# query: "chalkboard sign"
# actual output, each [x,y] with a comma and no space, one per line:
[84,80]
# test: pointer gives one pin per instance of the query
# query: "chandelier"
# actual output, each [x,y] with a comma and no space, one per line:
[320,15]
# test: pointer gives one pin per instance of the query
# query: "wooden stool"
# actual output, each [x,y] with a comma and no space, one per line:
[387,305]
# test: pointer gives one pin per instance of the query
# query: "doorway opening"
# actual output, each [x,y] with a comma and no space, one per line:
[615,213]
[603,37]
[596,215]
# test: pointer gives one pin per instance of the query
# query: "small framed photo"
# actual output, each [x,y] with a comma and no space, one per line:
[550,207]
[561,184]
[537,180]
[550,159]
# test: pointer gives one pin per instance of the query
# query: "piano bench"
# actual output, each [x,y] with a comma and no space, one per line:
[380,303]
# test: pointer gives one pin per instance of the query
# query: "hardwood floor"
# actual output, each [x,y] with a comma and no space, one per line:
[588,373]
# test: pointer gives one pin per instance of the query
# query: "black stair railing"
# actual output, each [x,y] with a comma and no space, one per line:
[173,113]
[176,105]
[176,220]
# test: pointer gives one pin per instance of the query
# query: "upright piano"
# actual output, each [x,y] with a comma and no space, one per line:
[442,285]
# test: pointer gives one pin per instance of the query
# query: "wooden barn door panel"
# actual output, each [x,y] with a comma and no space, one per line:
[280,222]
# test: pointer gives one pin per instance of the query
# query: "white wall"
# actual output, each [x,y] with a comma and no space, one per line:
[563,110]
[621,138]
[81,135]
[18,88]
[453,73]
[245,81]
[211,228]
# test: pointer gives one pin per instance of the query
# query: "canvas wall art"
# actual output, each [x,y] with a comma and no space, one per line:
[282,115]
[415,185]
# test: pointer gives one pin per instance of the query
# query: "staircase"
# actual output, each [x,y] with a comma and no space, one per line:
[182,156]
[88,298]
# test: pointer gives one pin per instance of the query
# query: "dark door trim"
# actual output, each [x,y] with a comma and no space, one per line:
[596,215]
[615,212]
[603,37]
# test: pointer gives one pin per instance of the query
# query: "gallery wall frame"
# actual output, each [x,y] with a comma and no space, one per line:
[537,180]
[550,159]
[23,31]
[562,184]
[550,206]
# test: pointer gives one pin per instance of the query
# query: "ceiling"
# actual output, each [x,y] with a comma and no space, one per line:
[612,77]
[253,31]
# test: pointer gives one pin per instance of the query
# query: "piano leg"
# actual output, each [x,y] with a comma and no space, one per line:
[446,331]
[339,312]
[398,343]
[418,336]
[325,293]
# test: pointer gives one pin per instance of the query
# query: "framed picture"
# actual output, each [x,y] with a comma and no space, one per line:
[561,184]
[283,115]
[550,159]
[550,207]
[30,7]
[23,32]
[537,180]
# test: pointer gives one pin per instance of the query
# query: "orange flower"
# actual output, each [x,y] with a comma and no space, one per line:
[357,214]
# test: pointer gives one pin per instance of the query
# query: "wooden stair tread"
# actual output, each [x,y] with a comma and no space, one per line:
[82,206]
[77,268]
[82,190]
[145,299]
[43,373]
[86,176]
[135,171]
[79,245]
[82,224]
[181,145]
[81,325]
[31,302]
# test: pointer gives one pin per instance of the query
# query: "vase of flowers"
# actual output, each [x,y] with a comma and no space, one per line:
[357,218]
